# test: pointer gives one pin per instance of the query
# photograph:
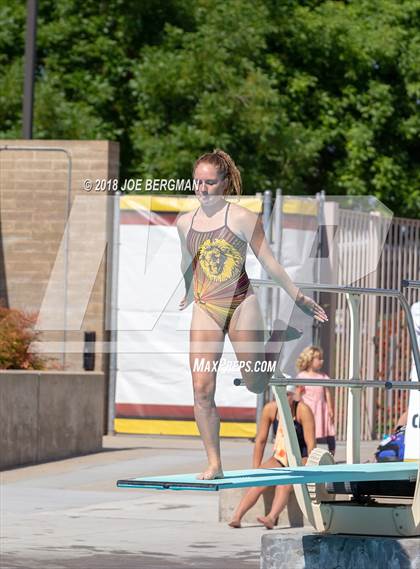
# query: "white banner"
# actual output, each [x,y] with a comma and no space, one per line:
[153,335]
[153,372]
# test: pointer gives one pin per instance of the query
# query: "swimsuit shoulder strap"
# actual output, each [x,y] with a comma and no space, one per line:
[226,213]
[192,219]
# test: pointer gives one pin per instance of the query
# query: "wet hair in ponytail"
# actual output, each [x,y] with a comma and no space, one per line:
[226,168]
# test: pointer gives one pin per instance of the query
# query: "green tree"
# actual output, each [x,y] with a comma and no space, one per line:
[305,95]
[354,87]
[86,53]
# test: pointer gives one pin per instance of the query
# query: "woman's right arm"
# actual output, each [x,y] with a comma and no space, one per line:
[186,263]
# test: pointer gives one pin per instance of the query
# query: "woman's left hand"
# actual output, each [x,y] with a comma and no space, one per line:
[311,308]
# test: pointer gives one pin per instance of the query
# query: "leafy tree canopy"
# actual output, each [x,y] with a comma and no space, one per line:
[305,95]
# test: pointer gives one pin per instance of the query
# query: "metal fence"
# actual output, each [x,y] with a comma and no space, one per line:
[385,350]
[384,343]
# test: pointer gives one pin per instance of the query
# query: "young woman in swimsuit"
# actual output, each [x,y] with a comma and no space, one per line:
[214,240]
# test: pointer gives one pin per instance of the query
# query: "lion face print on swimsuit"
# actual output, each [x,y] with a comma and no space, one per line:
[220,280]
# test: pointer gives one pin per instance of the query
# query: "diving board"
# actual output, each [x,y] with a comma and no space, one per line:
[279,476]
[317,503]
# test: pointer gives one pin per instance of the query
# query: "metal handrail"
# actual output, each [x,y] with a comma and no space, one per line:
[414,385]
[407,283]
[363,290]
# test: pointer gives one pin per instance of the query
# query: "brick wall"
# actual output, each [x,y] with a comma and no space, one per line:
[34,208]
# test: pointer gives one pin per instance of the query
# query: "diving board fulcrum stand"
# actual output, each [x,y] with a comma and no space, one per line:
[317,505]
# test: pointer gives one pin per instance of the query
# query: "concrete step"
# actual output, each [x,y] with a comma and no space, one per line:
[294,549]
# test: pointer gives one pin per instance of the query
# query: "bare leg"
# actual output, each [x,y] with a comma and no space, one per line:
[250,497]
[248,500]
[281,497]
[246,332]
[207,339]
[206,350]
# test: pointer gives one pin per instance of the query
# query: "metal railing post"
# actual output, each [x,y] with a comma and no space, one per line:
[264,297]
[354,396]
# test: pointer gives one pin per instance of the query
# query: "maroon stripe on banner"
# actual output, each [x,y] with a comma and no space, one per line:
[298,221]
[143,217]
[186,412]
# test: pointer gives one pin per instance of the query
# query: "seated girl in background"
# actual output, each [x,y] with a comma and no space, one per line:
[305,430]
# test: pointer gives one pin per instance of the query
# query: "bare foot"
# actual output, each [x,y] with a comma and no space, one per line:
[211,473]
[235,523]
[267,521]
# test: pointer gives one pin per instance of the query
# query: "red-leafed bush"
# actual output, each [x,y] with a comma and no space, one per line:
[16,335]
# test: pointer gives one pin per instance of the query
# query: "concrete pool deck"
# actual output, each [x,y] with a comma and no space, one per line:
[69,513]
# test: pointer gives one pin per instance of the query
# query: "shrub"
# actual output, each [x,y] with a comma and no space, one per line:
[16,336]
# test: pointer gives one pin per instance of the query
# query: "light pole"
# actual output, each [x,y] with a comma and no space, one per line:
[30,55]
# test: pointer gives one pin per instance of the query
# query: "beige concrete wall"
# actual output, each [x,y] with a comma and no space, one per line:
[34,211]
[49,415]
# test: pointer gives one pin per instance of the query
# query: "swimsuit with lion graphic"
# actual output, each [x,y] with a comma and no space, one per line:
[220,280]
